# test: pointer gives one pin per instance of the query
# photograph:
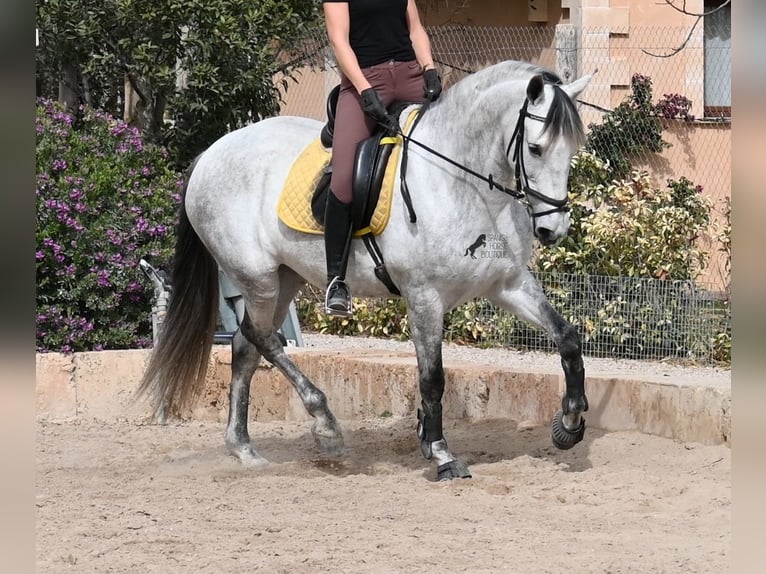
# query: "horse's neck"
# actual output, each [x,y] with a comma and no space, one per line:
[472,131]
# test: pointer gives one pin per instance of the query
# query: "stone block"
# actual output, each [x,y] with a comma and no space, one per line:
[55,390]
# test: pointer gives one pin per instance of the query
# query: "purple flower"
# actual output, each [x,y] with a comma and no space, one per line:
[102,278]
[63,117]
[59,164]
[118,129]
[157,231]
[39,255]
[113,237]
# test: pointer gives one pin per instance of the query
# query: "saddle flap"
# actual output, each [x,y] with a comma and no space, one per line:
[370,161]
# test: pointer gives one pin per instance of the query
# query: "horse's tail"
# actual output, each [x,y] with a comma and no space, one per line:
[178,364]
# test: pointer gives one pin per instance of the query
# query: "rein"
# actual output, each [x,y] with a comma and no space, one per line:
[522,190]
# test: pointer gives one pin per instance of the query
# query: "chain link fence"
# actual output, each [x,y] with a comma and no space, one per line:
[689,72]
[620,317]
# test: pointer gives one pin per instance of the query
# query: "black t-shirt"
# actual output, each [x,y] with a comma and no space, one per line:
[378,31]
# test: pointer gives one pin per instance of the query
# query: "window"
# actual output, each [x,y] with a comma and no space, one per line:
[717,58]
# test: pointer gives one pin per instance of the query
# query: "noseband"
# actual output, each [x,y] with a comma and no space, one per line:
[522,181]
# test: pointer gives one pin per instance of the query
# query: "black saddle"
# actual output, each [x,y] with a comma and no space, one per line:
[370,164]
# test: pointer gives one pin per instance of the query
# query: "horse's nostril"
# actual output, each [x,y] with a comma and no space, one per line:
[544,234]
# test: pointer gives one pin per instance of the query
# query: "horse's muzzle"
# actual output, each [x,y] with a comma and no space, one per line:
[546,236]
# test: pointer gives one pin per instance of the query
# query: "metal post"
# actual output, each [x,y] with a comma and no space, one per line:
[161,297]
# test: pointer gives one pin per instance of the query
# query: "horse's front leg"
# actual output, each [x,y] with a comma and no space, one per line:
[425,318]
[526,299]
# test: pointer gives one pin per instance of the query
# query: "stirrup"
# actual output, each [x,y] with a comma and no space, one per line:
[336,311]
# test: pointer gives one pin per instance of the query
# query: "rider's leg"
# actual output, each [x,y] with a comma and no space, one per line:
[337,239]
[409,84]
[351,127]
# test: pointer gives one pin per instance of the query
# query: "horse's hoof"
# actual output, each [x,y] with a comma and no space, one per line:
[329,441]
[563,438]
[452,469]
[255,462]
[248,456]
[332,446]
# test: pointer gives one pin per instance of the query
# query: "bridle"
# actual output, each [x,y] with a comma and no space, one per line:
[522,181]
[522,191]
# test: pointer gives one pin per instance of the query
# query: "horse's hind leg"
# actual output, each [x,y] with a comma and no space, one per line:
[260,328]
[425,318]
[526,299]
[244,361]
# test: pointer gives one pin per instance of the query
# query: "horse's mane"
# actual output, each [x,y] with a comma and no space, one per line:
[562,117]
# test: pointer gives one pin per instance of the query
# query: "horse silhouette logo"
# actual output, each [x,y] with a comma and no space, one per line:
[481,241]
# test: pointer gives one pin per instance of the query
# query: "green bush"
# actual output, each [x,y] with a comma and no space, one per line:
[104,200]
[631,129]
[372,317]
[630,227]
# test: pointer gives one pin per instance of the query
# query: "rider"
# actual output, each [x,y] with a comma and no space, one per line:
[384,55]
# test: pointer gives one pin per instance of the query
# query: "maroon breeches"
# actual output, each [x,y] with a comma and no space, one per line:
[393,81]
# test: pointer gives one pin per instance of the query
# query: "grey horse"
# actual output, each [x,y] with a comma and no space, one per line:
[511,122]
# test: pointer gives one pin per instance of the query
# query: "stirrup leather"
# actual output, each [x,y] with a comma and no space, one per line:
[348,311]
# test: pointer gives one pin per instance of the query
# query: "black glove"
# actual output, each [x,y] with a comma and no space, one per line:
[373,107]
[433,87]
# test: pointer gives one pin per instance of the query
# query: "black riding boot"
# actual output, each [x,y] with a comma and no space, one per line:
[337,239]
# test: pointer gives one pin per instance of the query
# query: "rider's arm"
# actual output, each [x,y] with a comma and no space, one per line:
[338,22]
[420,41]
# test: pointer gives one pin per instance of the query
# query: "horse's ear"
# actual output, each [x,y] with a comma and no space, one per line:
[575,88]
[535,89]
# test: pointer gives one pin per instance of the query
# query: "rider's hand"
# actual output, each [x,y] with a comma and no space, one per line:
[373,107]
[433,85]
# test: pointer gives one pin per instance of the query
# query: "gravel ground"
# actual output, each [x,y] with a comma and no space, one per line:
[533,361]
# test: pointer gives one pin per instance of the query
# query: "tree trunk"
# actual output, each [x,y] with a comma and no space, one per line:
[69,88]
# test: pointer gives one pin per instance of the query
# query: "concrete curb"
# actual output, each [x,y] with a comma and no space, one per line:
[365,384]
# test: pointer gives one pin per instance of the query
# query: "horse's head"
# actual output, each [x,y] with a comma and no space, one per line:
[548,133]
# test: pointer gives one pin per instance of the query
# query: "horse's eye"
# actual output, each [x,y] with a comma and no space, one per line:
[535,149]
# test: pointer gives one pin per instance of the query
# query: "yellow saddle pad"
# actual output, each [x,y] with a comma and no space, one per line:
[294,207]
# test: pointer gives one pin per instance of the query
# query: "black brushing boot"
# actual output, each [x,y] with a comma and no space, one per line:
[337,240]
